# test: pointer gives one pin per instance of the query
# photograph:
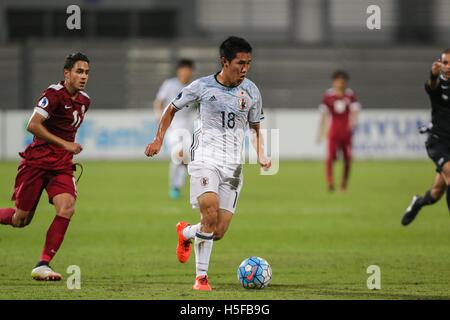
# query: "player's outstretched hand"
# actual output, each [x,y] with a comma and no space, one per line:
[73,147]
[153,148]
[436,67]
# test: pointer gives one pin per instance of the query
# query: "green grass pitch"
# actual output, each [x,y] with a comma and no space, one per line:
[318,244]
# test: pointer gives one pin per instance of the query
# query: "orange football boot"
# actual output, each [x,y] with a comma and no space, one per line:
[201,284]
[184,245]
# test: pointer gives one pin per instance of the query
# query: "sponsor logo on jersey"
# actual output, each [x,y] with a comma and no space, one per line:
[179,96]
[43,103]
[67,107]
[213,98]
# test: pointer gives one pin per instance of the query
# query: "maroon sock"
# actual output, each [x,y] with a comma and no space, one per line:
[6,215]
[346,174]
[55,237]
[329,172]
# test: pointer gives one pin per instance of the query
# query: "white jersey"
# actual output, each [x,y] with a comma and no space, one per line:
[166,93]
[224,115]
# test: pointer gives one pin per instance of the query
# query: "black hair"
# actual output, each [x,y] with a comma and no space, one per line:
[340,74]
[72,58]
[232,45]
[185,63]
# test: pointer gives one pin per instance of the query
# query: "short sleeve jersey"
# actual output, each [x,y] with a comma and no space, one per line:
[339,107]
[63,116]
[224,115]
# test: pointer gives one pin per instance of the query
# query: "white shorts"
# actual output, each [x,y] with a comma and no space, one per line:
[225,182]
[178,140]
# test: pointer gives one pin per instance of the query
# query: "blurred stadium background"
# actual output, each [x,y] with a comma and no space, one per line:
[134,45]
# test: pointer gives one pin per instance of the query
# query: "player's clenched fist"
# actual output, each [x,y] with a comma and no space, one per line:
[73,147]
[436,67]
[264,162]
[153,148]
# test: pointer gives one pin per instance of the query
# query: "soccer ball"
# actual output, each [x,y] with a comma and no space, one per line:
[254,273]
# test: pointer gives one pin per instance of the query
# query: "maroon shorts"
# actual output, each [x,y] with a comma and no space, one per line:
[338,142]
[30,182]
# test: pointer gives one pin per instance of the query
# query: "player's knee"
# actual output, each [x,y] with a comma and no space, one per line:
[446,179]
[66,211]
[20,223]
[438,192]
[21,219]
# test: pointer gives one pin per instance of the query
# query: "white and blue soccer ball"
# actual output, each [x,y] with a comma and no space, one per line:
[254,273]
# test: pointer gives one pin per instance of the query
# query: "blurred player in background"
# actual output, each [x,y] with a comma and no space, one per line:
[181,126]
[438,141]
[340,107]
[228,104]
[47,162]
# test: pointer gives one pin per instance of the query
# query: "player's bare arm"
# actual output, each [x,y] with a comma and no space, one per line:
[323,124]
[353,119]
[259,146]
[37,128]
[433,82]
[154,147]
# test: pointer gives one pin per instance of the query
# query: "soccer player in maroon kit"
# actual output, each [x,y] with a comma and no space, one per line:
[340,104]
[47,162]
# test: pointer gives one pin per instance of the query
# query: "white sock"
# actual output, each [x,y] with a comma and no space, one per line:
[172,173]
[203,247]
[190,231]
[177,175]
[180,176]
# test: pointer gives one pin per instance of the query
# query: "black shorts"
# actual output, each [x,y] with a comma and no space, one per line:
[438,150]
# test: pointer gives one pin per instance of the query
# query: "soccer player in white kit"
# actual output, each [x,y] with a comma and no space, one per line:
[180,129]
[228,102]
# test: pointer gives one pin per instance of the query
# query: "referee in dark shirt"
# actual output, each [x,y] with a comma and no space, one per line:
[438,142]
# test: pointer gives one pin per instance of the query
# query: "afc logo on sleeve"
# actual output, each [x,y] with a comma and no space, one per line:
[43,102]
[204,181]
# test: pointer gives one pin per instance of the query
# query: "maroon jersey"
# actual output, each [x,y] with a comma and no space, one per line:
[64,116]
[339,107]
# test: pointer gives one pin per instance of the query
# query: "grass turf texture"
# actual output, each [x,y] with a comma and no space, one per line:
[318,244]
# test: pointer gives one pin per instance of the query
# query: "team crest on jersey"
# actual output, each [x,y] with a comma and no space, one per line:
[179,96]
[242,102]
[43,103]
[204,181]
[339,106]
